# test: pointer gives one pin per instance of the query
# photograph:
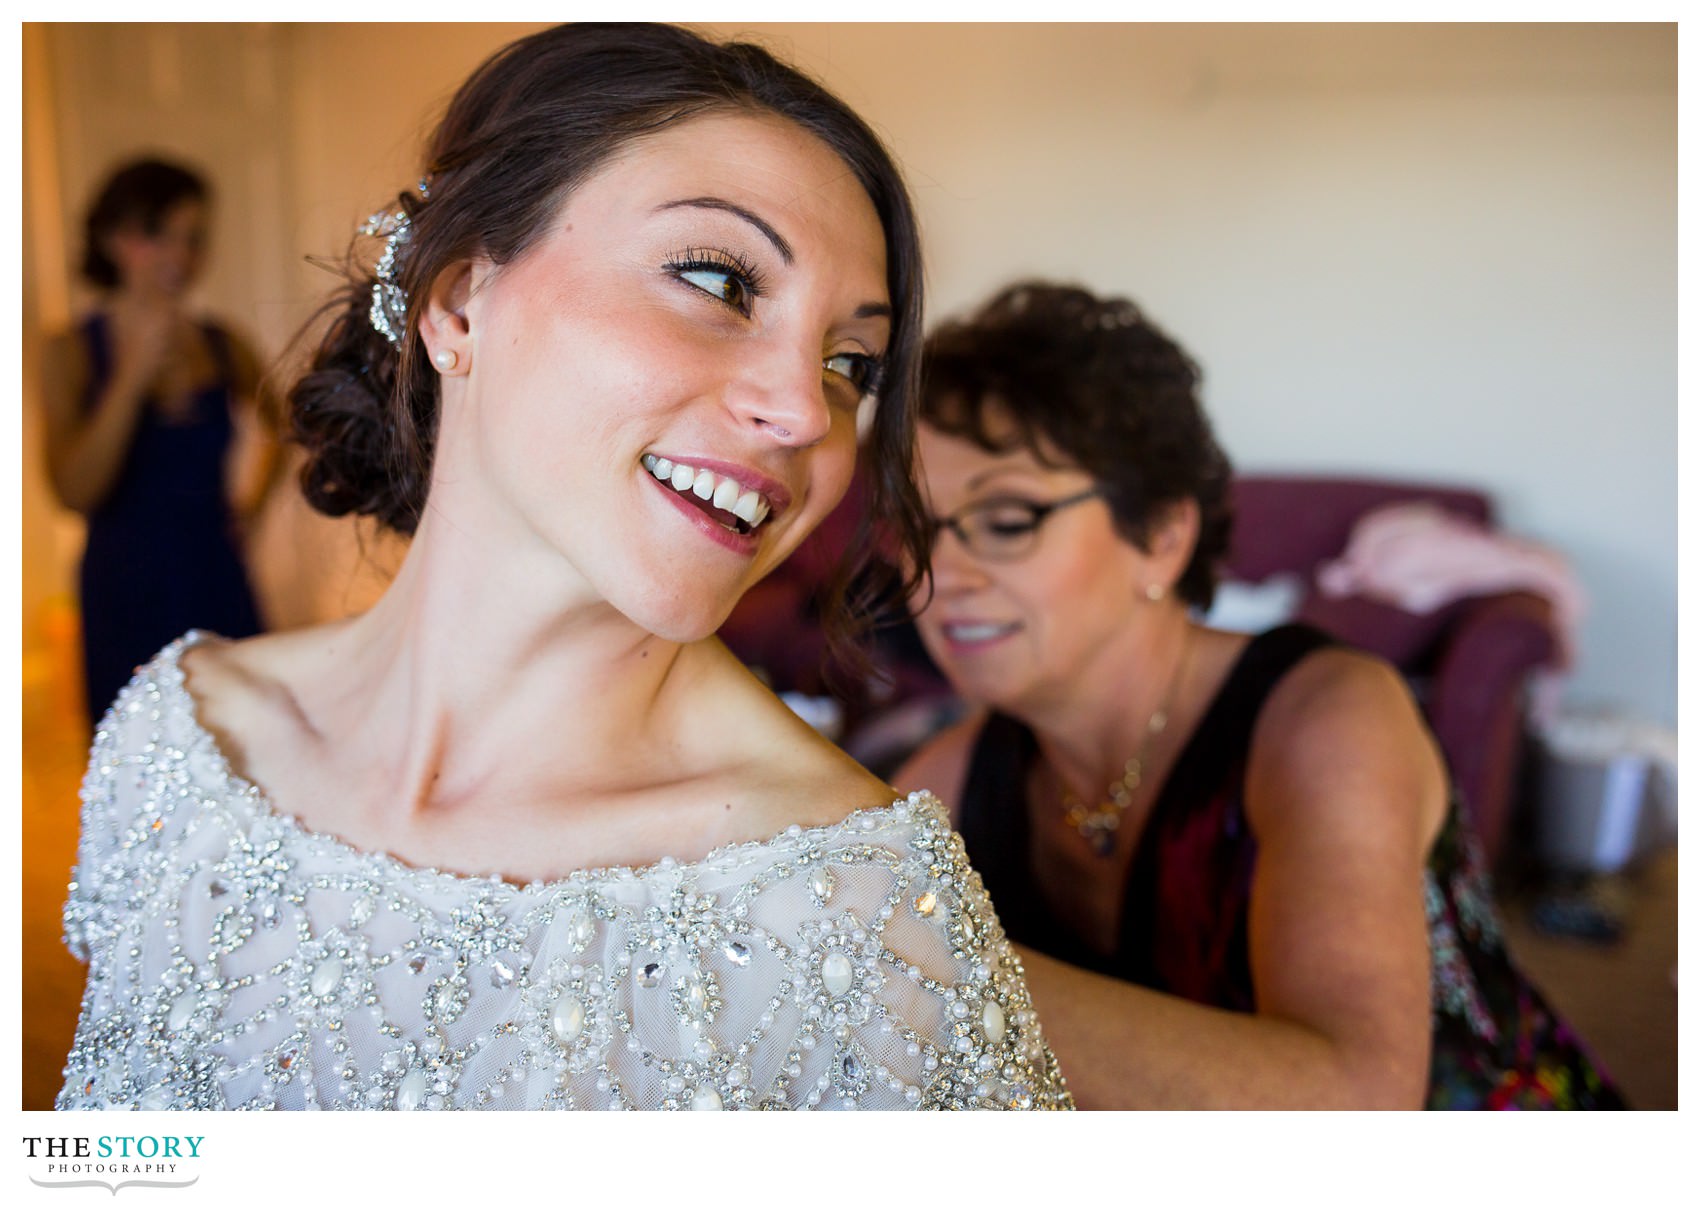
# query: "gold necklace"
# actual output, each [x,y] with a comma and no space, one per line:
[1099,825]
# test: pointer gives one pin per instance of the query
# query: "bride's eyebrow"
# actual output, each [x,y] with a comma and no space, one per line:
[732,208]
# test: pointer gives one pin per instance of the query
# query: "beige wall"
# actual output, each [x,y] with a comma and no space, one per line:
[1440,252]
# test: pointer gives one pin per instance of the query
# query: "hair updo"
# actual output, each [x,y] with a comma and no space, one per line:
[527,126]
[1095,381]
[138,194]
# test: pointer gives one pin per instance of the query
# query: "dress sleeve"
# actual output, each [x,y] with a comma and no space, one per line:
[902,989]
[123,803]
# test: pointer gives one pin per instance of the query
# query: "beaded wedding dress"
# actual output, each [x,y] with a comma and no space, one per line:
[239,960]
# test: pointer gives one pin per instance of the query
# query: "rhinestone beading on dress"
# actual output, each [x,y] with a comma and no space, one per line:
[239,960]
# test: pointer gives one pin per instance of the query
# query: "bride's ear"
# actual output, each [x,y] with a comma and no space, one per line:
[443,324]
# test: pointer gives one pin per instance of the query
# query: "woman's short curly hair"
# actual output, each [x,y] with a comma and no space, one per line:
[1094,381]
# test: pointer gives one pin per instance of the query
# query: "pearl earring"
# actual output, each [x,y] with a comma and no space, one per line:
[445,359]
[1154,592]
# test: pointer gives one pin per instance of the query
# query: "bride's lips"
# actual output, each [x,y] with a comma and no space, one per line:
[728,504]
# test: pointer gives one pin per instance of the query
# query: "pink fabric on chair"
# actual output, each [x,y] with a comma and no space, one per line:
[1420,557]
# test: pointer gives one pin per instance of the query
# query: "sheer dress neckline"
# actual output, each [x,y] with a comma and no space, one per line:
[173,685]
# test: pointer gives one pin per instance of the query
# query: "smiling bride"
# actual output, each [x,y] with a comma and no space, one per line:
[525,834]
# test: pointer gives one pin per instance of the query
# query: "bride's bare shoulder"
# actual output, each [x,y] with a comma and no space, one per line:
[243,688]
[218,665]
[792,773]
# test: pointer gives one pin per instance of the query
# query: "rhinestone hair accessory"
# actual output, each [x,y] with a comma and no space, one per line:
[389,300]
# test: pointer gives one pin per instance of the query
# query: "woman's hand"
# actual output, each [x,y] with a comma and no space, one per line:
[145,336]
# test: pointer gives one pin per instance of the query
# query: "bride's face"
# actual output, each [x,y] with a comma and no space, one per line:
[704,316]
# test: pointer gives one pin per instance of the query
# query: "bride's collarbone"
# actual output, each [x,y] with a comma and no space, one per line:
[558,822]
[562,802]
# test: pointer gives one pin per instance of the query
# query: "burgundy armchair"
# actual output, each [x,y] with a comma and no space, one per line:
[1468,662]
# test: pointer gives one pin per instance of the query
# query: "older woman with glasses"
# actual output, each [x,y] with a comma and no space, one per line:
[1232,861]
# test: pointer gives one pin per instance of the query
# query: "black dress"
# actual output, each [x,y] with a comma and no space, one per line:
[1497,1043]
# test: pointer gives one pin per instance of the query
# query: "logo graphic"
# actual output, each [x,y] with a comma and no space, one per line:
[115,1187]
[114,1162]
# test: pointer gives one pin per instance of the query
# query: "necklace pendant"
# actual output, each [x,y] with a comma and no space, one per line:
[1097,827]
[1099,830]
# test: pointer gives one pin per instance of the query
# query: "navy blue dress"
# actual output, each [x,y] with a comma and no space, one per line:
[161,556]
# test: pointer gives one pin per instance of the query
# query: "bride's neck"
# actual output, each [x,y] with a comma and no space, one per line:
[471,655]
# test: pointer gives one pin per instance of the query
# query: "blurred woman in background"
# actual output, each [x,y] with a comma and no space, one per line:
[143,402]
[1232,861]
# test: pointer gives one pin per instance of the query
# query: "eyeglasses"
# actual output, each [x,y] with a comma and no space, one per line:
[1004,528]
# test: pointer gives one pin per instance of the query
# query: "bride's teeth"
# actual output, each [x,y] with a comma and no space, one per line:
[722,492]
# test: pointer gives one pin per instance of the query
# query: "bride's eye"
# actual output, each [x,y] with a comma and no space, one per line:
[728,287]
[719,275]
[860,370]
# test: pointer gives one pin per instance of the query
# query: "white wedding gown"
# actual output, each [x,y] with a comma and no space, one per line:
[239,960]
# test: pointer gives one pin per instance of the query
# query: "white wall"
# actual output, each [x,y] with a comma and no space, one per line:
[1442,252]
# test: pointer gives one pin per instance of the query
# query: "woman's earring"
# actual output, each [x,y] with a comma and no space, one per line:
[1154,592]
[445,359]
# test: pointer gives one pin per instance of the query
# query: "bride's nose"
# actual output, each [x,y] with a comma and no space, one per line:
[783,393]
